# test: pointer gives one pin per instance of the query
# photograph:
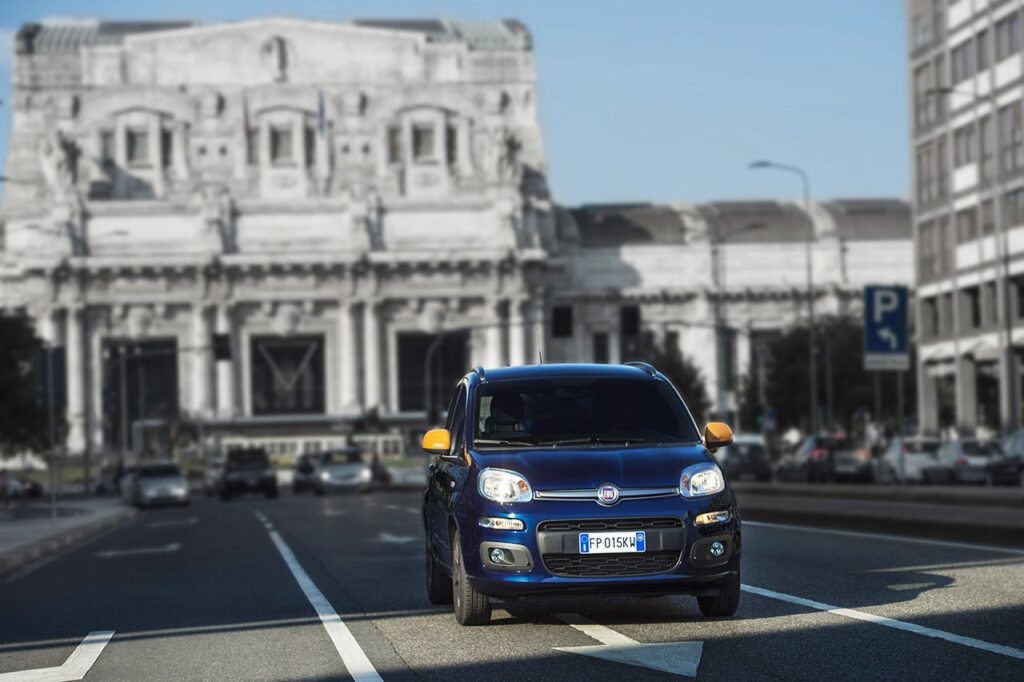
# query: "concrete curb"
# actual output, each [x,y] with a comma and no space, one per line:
[962,495]
[61,540]
[953,529]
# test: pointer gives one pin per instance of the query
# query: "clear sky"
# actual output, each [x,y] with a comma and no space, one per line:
[659,100]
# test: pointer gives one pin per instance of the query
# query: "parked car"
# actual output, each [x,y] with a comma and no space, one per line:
[914,454]
[576,479]
[811,460]
[214,470]
[747,457]
[963,460]
[342,470]
[107,480]
[10,487]
[246,470]
[159,483]
[852,462]
[304,472]
[126,484]
[1009,469]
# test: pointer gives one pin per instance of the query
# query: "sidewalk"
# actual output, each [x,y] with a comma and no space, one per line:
[27,531]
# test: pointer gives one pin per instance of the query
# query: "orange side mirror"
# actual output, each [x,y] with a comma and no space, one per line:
[717,435]
[437,441]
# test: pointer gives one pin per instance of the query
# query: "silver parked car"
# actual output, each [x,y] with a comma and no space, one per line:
[159,483]
[342,470]
[917,454]
[963,460]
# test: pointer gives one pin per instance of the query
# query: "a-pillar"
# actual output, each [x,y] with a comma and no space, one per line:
[202,361]
[76,364]
[225,368]
[372,396]
[348,397]
[966,395]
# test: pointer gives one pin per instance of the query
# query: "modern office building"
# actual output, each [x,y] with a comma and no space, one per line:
[264,228]
[967,86]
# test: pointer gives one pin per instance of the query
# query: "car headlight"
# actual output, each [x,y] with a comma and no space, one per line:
[701,479]
[504,486]
[325,475]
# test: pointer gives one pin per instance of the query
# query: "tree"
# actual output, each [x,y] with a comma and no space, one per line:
[680,370]
[840,364]
[23,424]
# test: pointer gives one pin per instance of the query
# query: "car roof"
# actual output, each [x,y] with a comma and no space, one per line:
[562,371]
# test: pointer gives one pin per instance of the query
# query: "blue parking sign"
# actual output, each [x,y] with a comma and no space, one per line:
[885,328]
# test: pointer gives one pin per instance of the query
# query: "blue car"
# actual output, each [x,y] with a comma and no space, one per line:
[576,479]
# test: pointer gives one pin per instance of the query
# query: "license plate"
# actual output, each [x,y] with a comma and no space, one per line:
[613,543]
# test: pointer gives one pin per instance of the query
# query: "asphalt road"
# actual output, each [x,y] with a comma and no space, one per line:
[211,593]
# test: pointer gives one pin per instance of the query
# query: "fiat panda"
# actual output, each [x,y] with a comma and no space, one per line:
[576,479]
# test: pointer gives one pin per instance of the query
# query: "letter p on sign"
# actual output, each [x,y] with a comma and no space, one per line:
[886,301]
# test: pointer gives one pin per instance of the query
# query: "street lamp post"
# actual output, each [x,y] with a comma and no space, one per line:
[1010,380]
[812,364]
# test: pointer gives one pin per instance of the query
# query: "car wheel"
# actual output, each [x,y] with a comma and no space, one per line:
[270,493]
[225,496]
[723,604]
[471,607]
[318,491]
[439,585]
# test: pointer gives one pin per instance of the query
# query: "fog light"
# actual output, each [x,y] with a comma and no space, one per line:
[502,524]
[716,549]
[501,557]
[708,518]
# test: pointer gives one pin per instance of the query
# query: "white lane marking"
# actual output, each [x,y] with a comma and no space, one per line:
[75,668]
[394,507]
[677,658]
[888,622]
[166,549]
[413,510]
[892,538]
[384,536]
[330,513]
[169,524]
[355,660]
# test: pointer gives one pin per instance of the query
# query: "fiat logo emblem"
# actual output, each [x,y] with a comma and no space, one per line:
[608,494]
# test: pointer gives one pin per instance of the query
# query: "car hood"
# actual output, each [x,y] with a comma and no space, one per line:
[586,468]
[345,469]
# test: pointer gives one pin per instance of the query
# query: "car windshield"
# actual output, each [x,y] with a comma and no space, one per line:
[159,471]
[927,446]
[580,410]
[341,458]
[248,459]
[978,448]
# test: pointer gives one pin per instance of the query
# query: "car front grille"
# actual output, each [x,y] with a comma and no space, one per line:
[610,565]
[590,525]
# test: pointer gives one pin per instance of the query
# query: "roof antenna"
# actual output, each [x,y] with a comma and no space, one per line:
[540,348]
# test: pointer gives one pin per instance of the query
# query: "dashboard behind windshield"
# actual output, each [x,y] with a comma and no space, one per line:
[595,410]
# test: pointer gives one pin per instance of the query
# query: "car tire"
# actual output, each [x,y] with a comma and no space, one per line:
[471,607]
[723,604]
[439,584]
[318,491]
[270,493]
[225,496]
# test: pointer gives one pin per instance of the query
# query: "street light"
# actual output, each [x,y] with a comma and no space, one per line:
[1010,380]
[811,361]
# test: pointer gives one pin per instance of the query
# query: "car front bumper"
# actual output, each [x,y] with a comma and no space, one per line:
[676,560]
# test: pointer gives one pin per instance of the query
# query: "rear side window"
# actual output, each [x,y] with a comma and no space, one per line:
[248,458]
[159,471]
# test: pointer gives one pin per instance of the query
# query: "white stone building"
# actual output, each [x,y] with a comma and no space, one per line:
[262,226]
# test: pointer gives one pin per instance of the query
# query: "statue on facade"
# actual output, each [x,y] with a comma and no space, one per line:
[367,214]
[56,160]
[505,146]
[218,210]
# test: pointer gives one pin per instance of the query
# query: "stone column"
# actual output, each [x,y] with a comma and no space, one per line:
[225,369]
[76,364]
[156,154]
[614,347]
[517,331]
[348,358]
[202,361]
[371,355]
[966,395]
[928,400]
[494,351]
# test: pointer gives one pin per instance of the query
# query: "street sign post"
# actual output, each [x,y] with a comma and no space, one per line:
[885,329]
[886,342]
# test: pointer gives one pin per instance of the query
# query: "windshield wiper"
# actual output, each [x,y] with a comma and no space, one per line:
[593,440]
[512,443]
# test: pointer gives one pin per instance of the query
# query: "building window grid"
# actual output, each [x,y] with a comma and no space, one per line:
[1008,38]
[963,146]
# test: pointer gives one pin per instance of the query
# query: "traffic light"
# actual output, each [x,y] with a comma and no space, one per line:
[222,347]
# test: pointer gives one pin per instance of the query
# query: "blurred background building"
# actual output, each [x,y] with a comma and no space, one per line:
[966,69]
[262,229]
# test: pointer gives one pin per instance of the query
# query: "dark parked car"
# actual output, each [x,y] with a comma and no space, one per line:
[576,479]
[811,460]
[1009,468]
[747,457]
[246,470]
